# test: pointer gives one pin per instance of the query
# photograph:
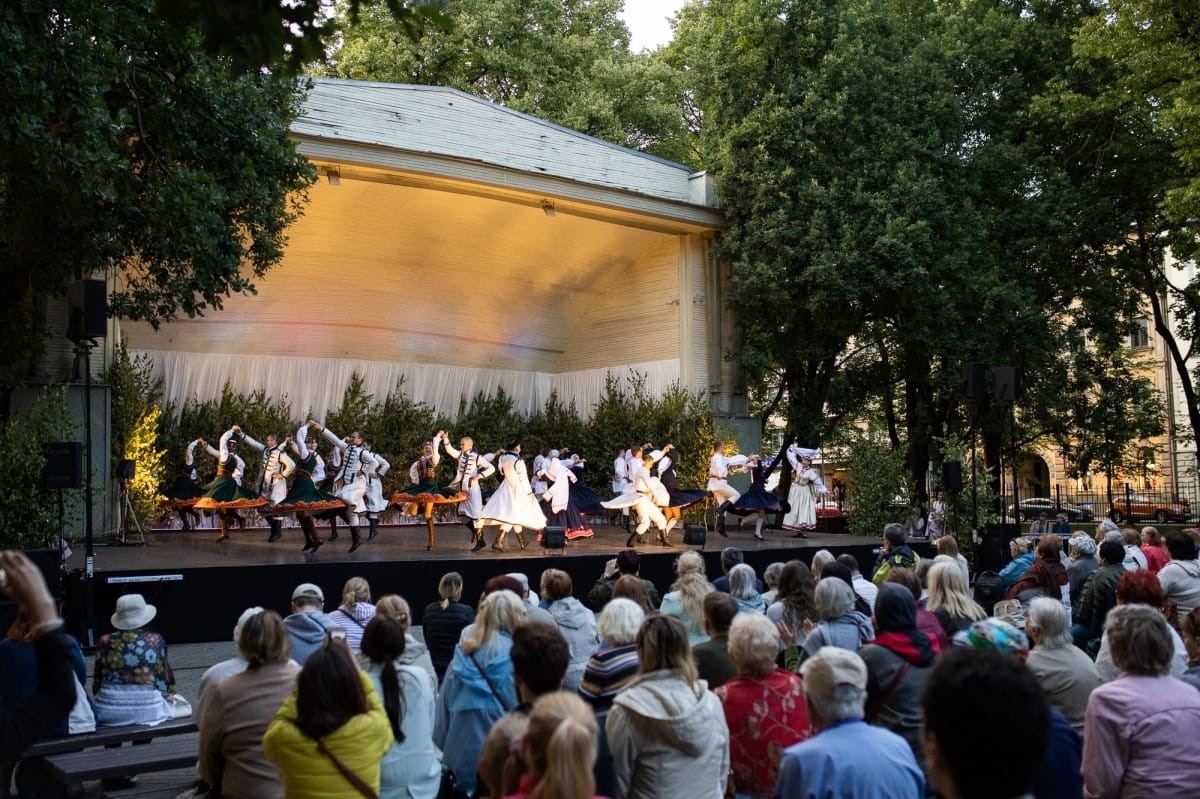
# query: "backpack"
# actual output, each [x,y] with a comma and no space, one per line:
[989,589]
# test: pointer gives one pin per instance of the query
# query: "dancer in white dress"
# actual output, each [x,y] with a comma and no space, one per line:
[802,496]
[277,466]
[472,467]
[718,482]
[514,505]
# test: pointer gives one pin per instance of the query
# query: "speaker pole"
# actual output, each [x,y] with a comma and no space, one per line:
[84,348]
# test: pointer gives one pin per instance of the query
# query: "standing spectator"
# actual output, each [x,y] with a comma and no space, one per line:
[771,578]
[743,588]
[796,604]
[410,769]
[898,664]
[1066,674]
[1140,587]
[1180,578]
[558,749]
[895,553]
[865,589]
[846,756]
[132,677]
[764,707]
[1083,563]
[575,622]
[946,545]
[354,612]
[1154,549]
[478,688]
[627,561]
[1021,550]
[685,600]
[1062,527]
[331,733]
[415,653]
[1134,557]
[712,656]
[986,726]
[838,623]
[666,730]
[1142,730]
[444,620]
[633,588]
[949,602]
[241,707]
[309,624]
[1099,595]
[610,669]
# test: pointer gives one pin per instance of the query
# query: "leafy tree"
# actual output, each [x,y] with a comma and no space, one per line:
[30,511]
[126,150]
[879,476]
[134,430]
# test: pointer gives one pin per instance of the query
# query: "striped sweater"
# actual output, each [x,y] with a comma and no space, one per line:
[608,671]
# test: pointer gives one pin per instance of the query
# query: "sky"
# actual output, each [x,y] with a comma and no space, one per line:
[647,21]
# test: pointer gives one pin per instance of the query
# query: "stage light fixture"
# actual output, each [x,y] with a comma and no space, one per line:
[334,177]
[548,208]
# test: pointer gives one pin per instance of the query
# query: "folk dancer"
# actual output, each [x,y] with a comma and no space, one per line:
[718,482]
[425,494]
[472,467]
[353,477]
[802,495]
[583,497]
[620,481]
[277,466]
[226,494]
[327,486]
[541,465]
[306,498]
[758,501]
[645,497]
[513,506]
[374,500]
[679,498]
[182,494]
[558,478]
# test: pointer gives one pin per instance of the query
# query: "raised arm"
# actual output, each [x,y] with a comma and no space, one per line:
[299,445]
[223,454]
[189,455]
[252,441]
[437,446]
[329,435]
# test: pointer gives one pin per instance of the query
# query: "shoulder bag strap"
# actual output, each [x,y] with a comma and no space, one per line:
[495,693]
[354,779]
[881,699]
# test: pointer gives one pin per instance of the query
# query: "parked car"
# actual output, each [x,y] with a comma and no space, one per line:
[1032,507]
[827,508]
[1138,507]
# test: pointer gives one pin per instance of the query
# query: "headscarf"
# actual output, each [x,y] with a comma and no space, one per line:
[994,634]
[896,626]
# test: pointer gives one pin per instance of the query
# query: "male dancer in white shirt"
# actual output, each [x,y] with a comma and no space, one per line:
[718,482]
[472,467]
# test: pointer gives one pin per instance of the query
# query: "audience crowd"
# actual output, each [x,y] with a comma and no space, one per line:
[815,681]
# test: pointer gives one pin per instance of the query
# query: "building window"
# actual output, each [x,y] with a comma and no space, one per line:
[1139,337]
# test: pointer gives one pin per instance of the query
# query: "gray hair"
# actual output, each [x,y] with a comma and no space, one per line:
[742,582]
[1083,547]
[821,559]
[1114,537]
[753,644]
[730,557]
[620,621]
[834,597]
[1139,640]
[894,532]
[771,574]
[1049,618]
[1106,526]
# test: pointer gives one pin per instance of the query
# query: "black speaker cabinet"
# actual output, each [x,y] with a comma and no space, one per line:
[554,538]
[973,380]
[126,469]
[64,464]
[695,535]
[87,308]
[952,478]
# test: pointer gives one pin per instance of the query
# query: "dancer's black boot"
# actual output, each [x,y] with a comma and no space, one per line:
[355,540]
[724,506]
[374,529]
[477,542]
[276,529]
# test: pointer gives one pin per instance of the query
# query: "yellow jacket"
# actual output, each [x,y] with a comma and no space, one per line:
[360,744]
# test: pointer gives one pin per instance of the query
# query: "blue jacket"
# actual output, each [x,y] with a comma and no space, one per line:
[1015,568]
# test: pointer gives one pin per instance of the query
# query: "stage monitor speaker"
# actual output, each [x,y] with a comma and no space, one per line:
[64,464]
[1008,383]
[87,308]
[974,374]
[695,535]
[554,538]
[126,469]
[952,478]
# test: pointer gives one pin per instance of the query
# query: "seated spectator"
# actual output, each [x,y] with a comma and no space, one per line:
[926,621]
[1067,675]
[821,558]
[1083,562]
[534,610]
[846,756]
[864,588]
[771,578]
[132,676]
[1180,578]
[1154,548]
[443,621]
[946,545]
[504,582]
[240,708]
[1189,625]
[415,653]
[1046,576]
[1099,596]
[730,557]
[1142,730]
[898,664]
[685,600]
[949,602]
[1140,587]
[226,668]
[354,612]
[19,667]
[308,624]
[610,669]
[666,730]
[541,659]
[478,688]
[25,721]
[626,562]
[895,553]
[796,603]
[986,726]
[1021,550]
[500,758]
[764,707]
[712,656]
[743,588]
[558,748]
[575,622]
[838,623]
[411,768]
[331,733]
[842,572]
[1134,557]
[633,588]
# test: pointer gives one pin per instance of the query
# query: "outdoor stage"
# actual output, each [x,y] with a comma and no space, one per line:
[200,586]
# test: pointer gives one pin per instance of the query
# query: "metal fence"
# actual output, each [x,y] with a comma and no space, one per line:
[1126,504]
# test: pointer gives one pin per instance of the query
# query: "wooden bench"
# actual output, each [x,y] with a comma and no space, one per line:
[107,736]
[156,792]
[74,768]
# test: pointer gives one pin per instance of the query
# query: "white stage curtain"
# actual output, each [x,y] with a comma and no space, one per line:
[317,385]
